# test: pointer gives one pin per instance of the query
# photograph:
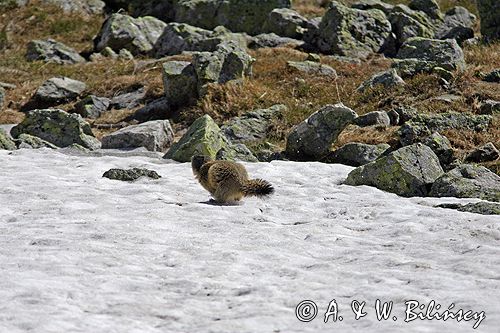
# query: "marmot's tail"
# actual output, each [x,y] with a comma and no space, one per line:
[257,187]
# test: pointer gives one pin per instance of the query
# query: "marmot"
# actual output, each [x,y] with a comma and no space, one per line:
[227,181]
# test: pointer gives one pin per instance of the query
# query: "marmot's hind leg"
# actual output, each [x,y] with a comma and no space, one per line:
[228,190]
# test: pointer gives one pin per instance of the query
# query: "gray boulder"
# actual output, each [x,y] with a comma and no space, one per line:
[489,12]
[485,153]
[52,51]
[138,35]
[6,142]
[405,113]
[236,152]
[57,127]
[388,79]
[351,32]
[180,83]
[156,135]
[483,208]
[271,40]
[128,99]
[441,146]
[130,174]
[457,17]
[26,141]
[55,91]
[253,125]
[312,68]
[490,107]
[312,138]
[287,23]
[159,108]
[373,4]
[2,97]
[429,7]
[92,106]
[425,124]
[374,118]
[408,171]
[468,181]
[356,154]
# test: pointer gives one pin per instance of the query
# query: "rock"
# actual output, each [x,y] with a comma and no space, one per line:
[312,138]
[468,181]
[130,174]
[490,107]
[405,27]
[441,146]
[460,34]
[125,54]
[416,15]
[161,9]
[128,100]
[55,91]
[4,85]
[457,17]
[424,124]
[489,12]
[314,57]
[440,53]
[286,22]
[388,79]
[138,35]
[88,7]
[237,15]
[57,127]
[271,40]
[493,76]
[156,135]
[6,143]
[253,125]
[157,109]
[312,68]
[408,171]
[236,152]
[486,153]
[408,68]
[2,97]
[109,53]
[405,113]
[373,4]
[180,83]
[447,98]
[356,154]
[352,32]
[203,137]
[484,208]
[26,141]
[92,106]
[393,117]
[52,51]
[374,118]
[430,7]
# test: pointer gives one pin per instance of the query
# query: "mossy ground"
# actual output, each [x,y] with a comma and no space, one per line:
[272,82]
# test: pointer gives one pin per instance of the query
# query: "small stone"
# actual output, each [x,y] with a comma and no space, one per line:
[374,118]
[130,174]
[486,153]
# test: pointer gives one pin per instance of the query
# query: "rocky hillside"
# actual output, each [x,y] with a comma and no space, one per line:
[403,88]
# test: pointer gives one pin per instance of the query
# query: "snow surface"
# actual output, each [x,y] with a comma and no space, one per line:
[82,253]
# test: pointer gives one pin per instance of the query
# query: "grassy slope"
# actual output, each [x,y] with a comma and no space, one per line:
[272,82]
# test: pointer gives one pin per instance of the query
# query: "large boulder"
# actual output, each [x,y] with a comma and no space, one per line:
[138,35]
[312,138]
[287,23]
[57,127]
[406,26]
[485,153]
[352,32]
[253,125]
[440,53]
[482,207]
[26,141]
[237,15]
[55,91]
[52,51]
[374,118]
[180,83]
[131,98]
[357,154]
[6,142]
[468,181]
[408,171]
[441,146]
[387,79]
[429,7]
[456,19]
[489,11]
[156,135]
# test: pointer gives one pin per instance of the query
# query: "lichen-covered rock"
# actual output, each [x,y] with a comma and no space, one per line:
[312,138]
[236,152]
[387,79]
[441,146]
[57,127]
[483,208]
[429,7]
[92,106]
[425,124]
[357,154]
[408,171]
[180,83]
[312,68]
[2,97]
[405,27]
[203,137]
[485,153]
[253,125]
[271,40]
[456,18]
[493,76]
[352,32]
[441,53]
[490,107]
[138,35]
[55,91]
[489,12]
[408,68]
[287,23]
[155,135]
[373,4]
[159,108]
[468,181]
[26,141]
[405,113]
[130,174]
[237,15]
[374,118]
[129,99]
[52,51]
[6,143]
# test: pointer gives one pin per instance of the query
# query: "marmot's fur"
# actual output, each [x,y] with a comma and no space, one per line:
[227,181]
